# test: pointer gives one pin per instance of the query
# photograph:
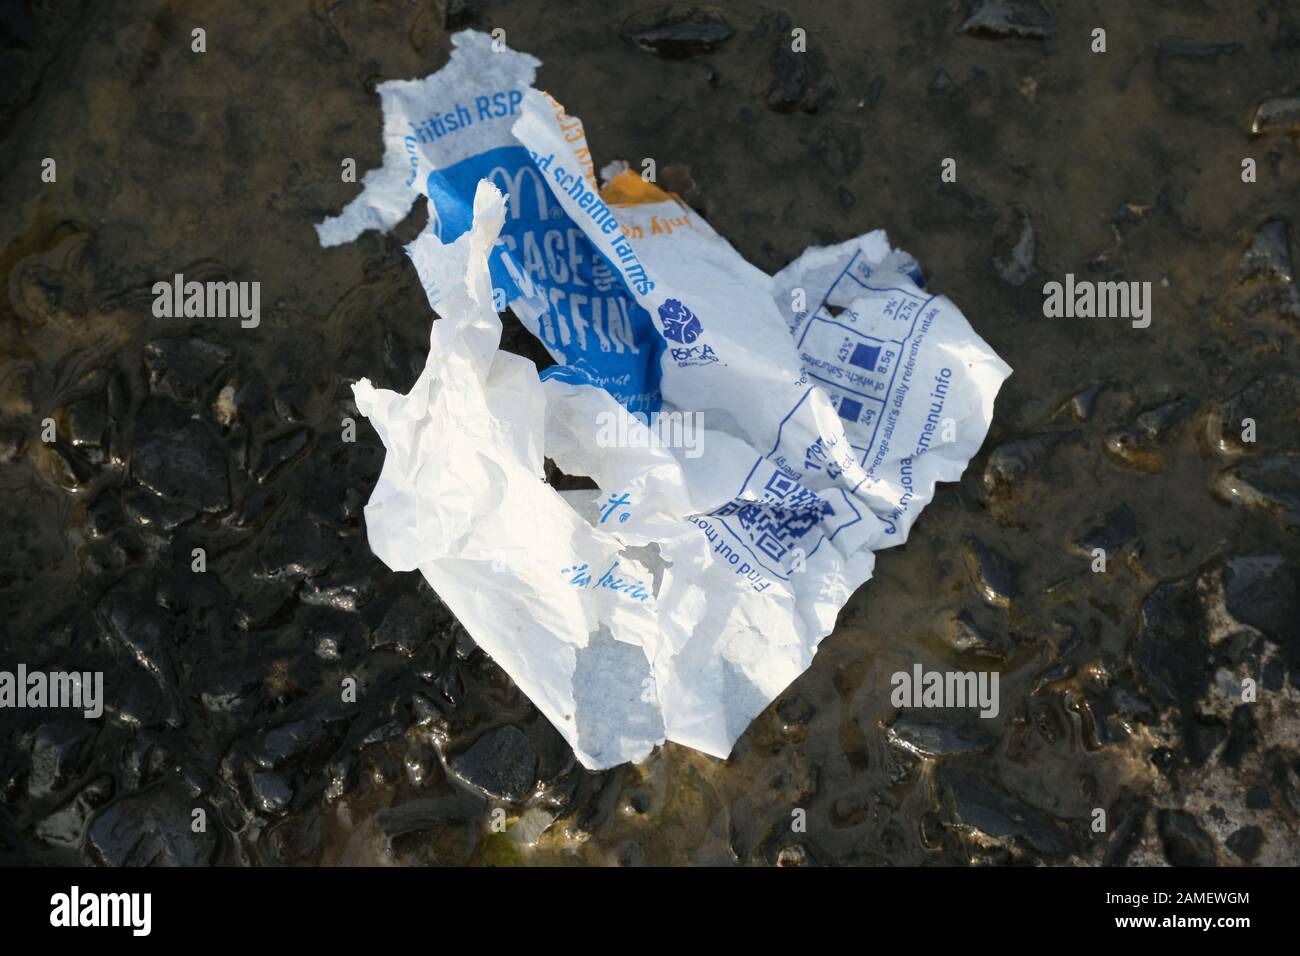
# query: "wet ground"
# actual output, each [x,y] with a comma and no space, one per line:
[1121,690]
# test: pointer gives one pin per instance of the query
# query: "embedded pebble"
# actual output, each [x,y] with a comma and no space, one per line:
[994,575]
[1280,114]
[964,635]
[271,792]
[938,739]
[1014,462]
[184,367]
[1246,843]
[1003,19]
[1169,653]
[150,828]
[1262,418]
[1110,532]
[1269,255]
[675,33]
[973,803]
[1269,485]
[501,763]
[1185,841]
[279,452]
[179,458]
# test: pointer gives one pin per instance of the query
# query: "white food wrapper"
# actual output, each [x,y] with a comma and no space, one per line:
[755,439]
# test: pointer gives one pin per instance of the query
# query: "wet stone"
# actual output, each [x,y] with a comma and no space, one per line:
[464,646]
[1185,842]
[1280,114]
[137,702]
[797,81]
[311,736]
[352,506]
[184,367]
[1012,463]
[1243,736]
[60,751]
[1111,532]
[65,826]
[227,693]
[677,32]
[406,627]
[1270,485]
[1014,19]
[964,635]
[406,828]
[1083,404]
[938,739]
[151,828]
[67,469]
[1246,843]
[1201,738]
[280,451]
[153,513]
[975,804]
[271,792]
[259,602]
[1141,444]
[295,548]
[136,624]
[87,427]
[344,587]
[179,458]
[1287,781]
[1098,715]
[992,573]
[105,514]
[1270,402]
[1269,255]
[1128,820]
[1159,421]
[501,763]
[1170,652]
[1263,592]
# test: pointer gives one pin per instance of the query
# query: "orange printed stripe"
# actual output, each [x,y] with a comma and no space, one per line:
[629,189]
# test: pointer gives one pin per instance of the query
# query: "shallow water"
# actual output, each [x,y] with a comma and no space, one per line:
[1117,688]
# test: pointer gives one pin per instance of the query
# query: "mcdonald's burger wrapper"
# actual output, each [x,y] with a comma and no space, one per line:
[755,439]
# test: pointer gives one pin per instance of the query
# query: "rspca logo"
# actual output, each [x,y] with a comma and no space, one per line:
[680,323]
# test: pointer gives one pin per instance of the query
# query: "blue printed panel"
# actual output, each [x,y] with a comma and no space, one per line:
[606,338]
